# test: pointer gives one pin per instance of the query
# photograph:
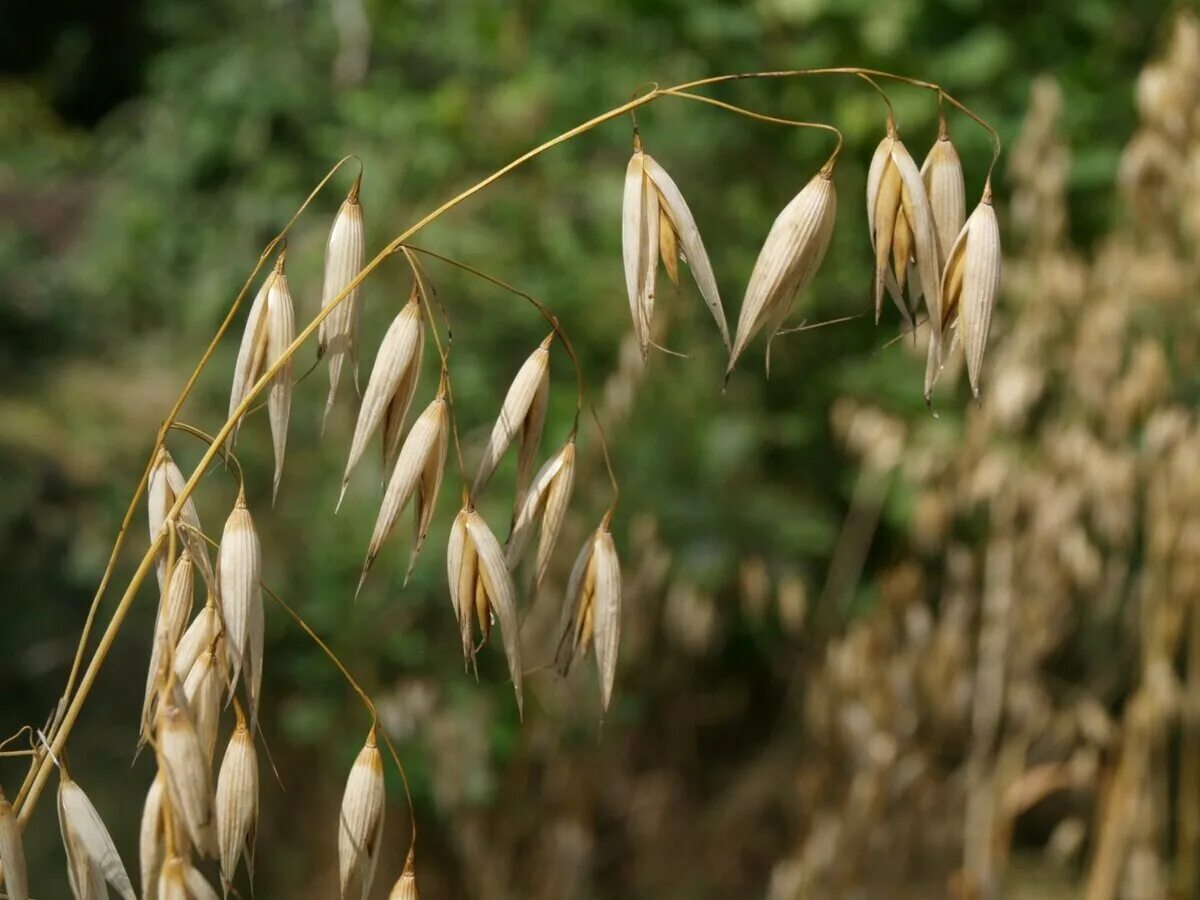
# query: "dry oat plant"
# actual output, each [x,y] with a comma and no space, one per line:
[938,265]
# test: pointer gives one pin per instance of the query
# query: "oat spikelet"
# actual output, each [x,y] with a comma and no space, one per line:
[239,566]
[392,383]
[270,328]
[165,484]
[897,201]
[203,691]
[656,222]
[360,825]
[942,175]
[151,840]
[237,802]
[199,636]
[187,774]
[405,887]
[790,256]
[524,413]
[12,854]
[174,607]
[92,858]
[592,614]
[337,335]
[547,501]
[419,469]
[179,880]
[971,281]
[481,586]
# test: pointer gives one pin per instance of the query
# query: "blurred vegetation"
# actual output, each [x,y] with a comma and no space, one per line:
[149,151]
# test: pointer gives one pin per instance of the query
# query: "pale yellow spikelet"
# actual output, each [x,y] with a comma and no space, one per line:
[187,774]
[546,502]
[237,802]
[337,334]
[790,256]
[656,223]
[203,691]
[13,873]
[392,382]
[270,328]
[199,636]
[405,887]
[174,608]
[428,487]
[523,412]
[360,825]
[942,174]
[239,568]
[480,585]
[592,614]
[397,411]
[172,880]
[423,452]
[971,281]
[165,484]
[151,839]
[92,858]
[897,200]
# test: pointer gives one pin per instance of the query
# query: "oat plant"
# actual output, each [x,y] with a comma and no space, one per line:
[940,269]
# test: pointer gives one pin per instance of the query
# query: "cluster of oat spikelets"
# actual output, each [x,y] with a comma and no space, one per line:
[925,247]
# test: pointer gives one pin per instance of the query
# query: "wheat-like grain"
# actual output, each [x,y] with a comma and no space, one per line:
[173,610]
[239,567]
[165,484]
[151,841]
[15,877]
[237,802]
[187,774]
[199,636]
[405,887]
[360,825]
[592,611]
[546,502]
[971,281]
[337,336]
[92,858]
[203,691]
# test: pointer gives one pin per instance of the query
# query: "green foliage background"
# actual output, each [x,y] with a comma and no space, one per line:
[146,155]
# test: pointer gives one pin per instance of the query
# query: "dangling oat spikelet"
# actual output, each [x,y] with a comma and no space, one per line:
[173,610]
[418,470]
[391,385]
[523,412]
[547,499]
[270,328]
[151,841]
[656,222]
[971,281]
[165,484]
[92,858]
[237,802]
[481,587]
[360,825]
[12,854]
[592,614]
[200,635]
[337,335]
[187,775]
[239,565]
[405,887]
[790,256]
[203,692]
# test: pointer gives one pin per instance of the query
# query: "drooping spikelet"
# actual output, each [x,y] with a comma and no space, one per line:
[237,802]
[92,858]
[480,587]
[790,256]
[942,175]
[524,413]
[270,329]
[187,774]
[547,500]
[200,636]
[239,565]
[174,607]
[592,614]
[971,281]
[151,841]
[405,887]
[418,471]
[657,223]
[391,386]
[12,854]
[360,825]
[203,691]
[337,335]
[897,203]
[165,485]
